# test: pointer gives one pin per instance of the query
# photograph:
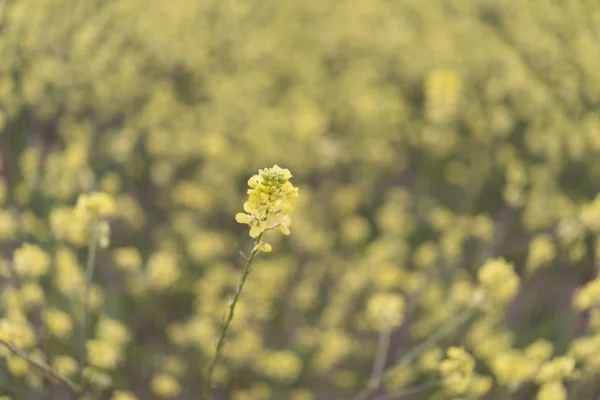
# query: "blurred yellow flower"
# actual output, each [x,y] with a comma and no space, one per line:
[103,354]
[32,294]
[95,206]
[552,390]
[31,261]
[65,365]
[112,331]
[386,310]
[165,386]
[123,395]
[58,322]
[499,281]
[162,270]
[17,366]
[457,371]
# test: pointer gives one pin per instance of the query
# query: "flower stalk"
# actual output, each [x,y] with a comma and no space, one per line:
[230,313]
[271,200]
[89,273]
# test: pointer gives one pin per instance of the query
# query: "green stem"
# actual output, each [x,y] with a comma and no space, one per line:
[383,345]
[232,304]
[415,352]
[46,368]
[433,339]
[89,273]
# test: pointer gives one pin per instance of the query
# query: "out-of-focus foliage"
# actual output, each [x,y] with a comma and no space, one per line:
[428,138]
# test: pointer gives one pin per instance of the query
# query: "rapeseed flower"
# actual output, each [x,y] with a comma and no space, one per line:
[271,199]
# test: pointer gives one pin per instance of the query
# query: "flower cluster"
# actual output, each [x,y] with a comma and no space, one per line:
[459,377]
[386,310]
[271,199]
[499,283]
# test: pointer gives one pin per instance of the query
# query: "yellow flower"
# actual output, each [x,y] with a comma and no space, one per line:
[16,365]
[457,370]
[553,390]
[123,395]
[386,310]
[556,369]
[65,365]
[271,199]
[32,294]
[103,354]
[31,261]
[587,296]
[112,331]
[280,365]
[95,206]
[58,322]
[162,270]
[128,259]
[499,281]
[165,386]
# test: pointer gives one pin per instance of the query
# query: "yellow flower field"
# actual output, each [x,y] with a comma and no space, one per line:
[304,200]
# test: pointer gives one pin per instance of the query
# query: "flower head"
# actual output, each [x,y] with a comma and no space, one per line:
[270,202]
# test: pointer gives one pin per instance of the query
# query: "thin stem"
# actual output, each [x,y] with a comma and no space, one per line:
[415,352]
[382,350]
[433,339]
[232,304]
[89,273]
[383,345]
[46,368]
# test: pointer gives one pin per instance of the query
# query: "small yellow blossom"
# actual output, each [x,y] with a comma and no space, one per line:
[123,395]
[32,294]
[480,386]
[58,322]
[557,369]
[165,386]
[162,270]
[103,354]
[552,390]
[112,331]
[541,251]
[128,259]
[457,371]
[499,281]
[281,365]
[430,359]
[386,310]
[65,365]
[588,296]
[17,365]
[31,261]
[95,206]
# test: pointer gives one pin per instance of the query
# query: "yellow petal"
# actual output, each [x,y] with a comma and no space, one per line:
[255,231]
[242,218]
[284,229]
[252,182]
[249,207]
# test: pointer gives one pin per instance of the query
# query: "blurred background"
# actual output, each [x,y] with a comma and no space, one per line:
[426,137]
